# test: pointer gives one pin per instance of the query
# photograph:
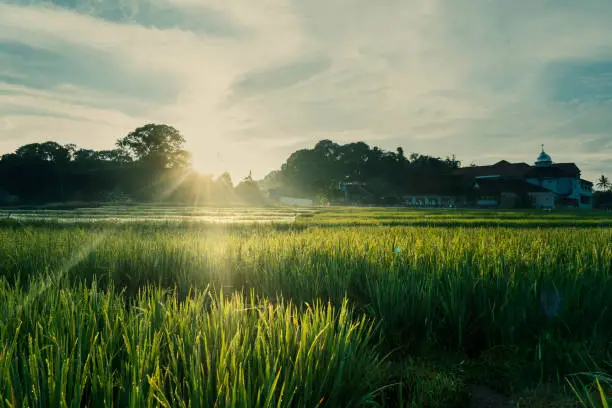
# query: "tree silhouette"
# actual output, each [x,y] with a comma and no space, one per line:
[159,145]
[603,183]
[47,151]
[318,171]
[248,191]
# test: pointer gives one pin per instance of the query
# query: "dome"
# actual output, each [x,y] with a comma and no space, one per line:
[544,159]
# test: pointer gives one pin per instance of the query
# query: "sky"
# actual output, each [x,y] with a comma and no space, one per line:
[249,82]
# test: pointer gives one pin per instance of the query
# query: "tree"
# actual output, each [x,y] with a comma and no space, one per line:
[84,155]
[223,190]
[272,180]
[42,170]
[225,180]
[47,151]
[117,156]
[452,162]
[603,183]
[400,154]
[151,163]
[248,191]
[71,148]
[318,171]
[159,145]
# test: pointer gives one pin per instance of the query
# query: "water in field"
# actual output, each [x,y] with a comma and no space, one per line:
[335,216]
[160,214]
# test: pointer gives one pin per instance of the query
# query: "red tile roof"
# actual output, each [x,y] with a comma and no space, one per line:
[519,170]
[556,170]
[497,186]
[502,169]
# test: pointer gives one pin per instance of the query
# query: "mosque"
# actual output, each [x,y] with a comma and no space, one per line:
[547,185]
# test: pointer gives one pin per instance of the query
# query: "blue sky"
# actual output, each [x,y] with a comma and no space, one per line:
[249,82]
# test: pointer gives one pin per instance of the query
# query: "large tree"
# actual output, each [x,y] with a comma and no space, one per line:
[47,151]
[159,145]
[142,167]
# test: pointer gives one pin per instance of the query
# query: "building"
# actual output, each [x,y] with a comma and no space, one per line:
[296,202]
[279,196]
[544,185]
[435,192]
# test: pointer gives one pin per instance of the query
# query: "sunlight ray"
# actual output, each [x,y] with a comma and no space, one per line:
[54,277]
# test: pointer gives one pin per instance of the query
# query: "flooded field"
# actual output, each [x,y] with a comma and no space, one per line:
[156,213]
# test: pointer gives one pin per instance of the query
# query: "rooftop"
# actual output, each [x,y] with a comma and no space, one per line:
[505,169]
[502,169]
[544,160]
[493,187]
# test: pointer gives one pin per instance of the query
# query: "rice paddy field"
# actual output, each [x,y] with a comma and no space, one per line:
[336,307]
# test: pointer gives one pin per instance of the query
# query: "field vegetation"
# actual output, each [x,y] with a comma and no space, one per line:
[279,307]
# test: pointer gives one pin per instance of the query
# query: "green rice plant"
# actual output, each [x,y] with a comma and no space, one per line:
[80,346]
[109,312]
[596,393]
[593,388]
[422,384]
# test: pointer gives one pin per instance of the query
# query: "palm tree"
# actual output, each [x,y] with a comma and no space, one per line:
[603,183]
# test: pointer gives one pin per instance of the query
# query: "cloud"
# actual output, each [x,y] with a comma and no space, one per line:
[582,79]
[257,83]
[441,77]
[39,68]
[485,80]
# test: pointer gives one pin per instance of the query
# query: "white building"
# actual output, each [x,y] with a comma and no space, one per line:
[563,181]
[297,202]
[546,184]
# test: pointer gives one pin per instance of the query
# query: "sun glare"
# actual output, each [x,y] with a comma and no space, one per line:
[237,163]
[207,162]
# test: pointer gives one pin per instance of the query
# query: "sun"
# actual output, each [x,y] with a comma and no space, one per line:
[236,159]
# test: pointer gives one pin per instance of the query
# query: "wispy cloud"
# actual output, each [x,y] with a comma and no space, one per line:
[254,81]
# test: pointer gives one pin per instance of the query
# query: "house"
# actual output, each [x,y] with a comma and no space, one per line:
[544,185]
[296,202]
[436,192]
[431,191]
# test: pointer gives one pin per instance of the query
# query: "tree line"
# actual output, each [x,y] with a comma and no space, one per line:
[150,164]
[324,170]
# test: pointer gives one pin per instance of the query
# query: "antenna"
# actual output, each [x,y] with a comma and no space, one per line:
[542,148]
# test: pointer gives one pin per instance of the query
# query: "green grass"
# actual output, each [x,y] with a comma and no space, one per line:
[341,307]
[84,347]
[351,216]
